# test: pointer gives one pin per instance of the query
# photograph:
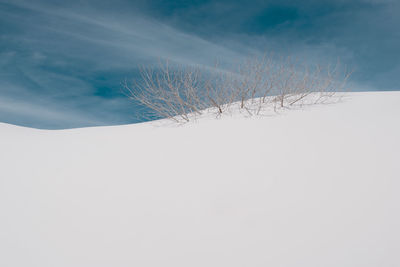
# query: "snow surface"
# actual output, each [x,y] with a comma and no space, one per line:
[313,187]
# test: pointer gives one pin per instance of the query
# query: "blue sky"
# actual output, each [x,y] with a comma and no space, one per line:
[62,62]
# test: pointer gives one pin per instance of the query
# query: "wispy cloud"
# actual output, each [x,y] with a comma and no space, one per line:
[75,60]
[26,113]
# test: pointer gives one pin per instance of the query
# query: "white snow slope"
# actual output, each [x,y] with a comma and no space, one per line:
[314,187]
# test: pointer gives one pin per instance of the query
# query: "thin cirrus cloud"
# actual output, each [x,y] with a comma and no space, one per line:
[362,33]
[62,67]
[62,62]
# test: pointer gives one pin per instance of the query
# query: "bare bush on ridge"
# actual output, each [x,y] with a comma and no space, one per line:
[181,93]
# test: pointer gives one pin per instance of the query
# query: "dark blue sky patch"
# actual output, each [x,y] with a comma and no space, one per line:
[273,17]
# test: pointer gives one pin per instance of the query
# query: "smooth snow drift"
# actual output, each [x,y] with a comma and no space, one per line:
[313,187]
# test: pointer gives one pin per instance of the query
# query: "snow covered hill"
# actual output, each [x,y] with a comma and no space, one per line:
[313,187]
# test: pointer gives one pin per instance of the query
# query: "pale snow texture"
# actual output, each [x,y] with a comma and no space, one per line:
[313,187]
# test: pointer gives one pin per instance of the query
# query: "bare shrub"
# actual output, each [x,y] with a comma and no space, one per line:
[169,92]
[179,93]
[284,82]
